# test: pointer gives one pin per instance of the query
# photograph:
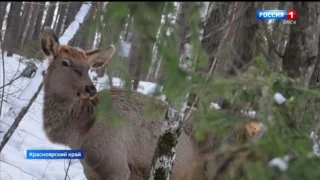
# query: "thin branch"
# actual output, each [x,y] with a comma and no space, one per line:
[20,169]
[10,82]
[18,119]
[213,65]
[3,75]
[67,170]
[45,170]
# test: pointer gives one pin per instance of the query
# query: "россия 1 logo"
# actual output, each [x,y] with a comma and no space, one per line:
[289,16]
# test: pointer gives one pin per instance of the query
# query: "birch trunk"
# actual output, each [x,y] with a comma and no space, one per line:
[162,161]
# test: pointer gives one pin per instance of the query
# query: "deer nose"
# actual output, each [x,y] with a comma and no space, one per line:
[91,90]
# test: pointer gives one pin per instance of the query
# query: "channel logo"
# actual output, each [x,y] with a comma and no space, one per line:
[276,14]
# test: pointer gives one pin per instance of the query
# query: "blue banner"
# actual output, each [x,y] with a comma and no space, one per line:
[271,14]
[54,154]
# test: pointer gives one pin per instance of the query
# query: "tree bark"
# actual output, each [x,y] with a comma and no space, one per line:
[63,7]
[84,37]
[142,46]
[315,78]
[275,38]
[128,28]
[243,42]
[37,27]
[110,34]
[135,62]
[30,30]
[164,155]
[55,21]
[13,17]
[24,24]
[182,25]
[3,6]
[302,49]
[220,16]
[50,14]
[73,9]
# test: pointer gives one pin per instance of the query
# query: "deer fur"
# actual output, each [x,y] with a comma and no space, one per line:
[112,151]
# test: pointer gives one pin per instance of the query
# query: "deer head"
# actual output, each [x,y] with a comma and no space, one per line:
[67,76]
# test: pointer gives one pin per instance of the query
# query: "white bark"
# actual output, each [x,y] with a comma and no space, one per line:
[162,163]
[24,98]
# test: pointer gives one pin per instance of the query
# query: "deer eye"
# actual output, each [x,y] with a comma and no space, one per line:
[65,63]
[78,72]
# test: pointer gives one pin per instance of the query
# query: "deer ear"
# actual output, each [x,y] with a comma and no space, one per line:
[100,57]
[49,43]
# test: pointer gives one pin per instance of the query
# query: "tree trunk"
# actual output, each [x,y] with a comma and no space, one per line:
[24,24]
[110,35]
[183,26]
[302,49]
[55,21]
[128,28]
[37,27]
[141,48]
[12,26]
[74,7]
[315,78]
[164,155]
[276,40]
[85,35]
[220,16]
[243,42]
[30,30]
[3,6]
[135,60]
[50,14]
[62,13]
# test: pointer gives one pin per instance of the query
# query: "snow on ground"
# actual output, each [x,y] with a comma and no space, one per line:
[30,135]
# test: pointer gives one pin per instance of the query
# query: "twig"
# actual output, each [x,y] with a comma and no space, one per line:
[18,119]
[44,172]
[67,170]
[3,74]
[10,82]
[19,169]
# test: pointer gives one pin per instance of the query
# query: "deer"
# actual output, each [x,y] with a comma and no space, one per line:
[111,152]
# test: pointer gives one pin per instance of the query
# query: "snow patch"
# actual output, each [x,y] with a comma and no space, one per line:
[315,142]
[125,48]
[214,106]
[278,97]
[251,114]
[281,163]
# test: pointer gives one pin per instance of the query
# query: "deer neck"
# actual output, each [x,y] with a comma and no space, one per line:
[67,121]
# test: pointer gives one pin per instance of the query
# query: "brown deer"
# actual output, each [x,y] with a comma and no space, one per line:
[112,152]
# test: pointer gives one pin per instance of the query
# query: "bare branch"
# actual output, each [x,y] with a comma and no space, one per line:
[3,75]
[67,170]
[20,169]
[18,119]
